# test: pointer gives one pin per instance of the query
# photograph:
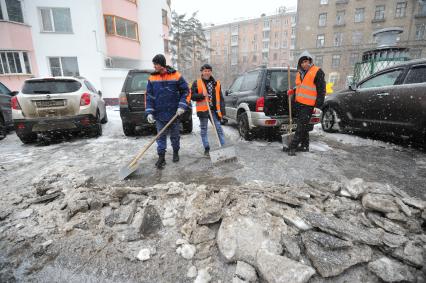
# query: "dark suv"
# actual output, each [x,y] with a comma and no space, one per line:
[257,100]
[132,104]
[6,122]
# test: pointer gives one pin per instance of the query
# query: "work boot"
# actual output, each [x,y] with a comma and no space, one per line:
[207,151]
[161,162]
[175,156]
[302,148]
[291,152]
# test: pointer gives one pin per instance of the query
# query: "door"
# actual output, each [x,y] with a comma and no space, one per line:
[231,97]
[370,103]
[276,102]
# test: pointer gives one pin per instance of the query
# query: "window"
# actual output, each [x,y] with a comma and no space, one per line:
[293,31]
[322,20]
[266,34]
[379,13]
[416,75]
[234,29]
[166,46]
[275,56]
[56,20]
[359,15]
[357,37]
[278,80]
[415,53]
[353,59]
[384,79]
[11,10]
[266,45]
[320,41]
[276,35]
[284,44]
[4,89]
[234,39]
[254,60]
[266,24]
[255,37]
[164,17]
[340,18]
[319,60]
[422,10]
[333,78]
[118,26]
[90,86]
[420,32]
[335,61]
[50,86]
[236,85]
[292,43]
[14,62]
[323,2]
[63,66]
[400,9]
[250,81]
[338,38]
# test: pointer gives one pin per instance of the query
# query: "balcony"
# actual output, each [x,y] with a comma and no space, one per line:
[15,36]
[121,47]
[420,15]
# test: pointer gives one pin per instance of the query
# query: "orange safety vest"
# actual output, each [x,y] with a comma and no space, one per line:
[202,105]
[306,90]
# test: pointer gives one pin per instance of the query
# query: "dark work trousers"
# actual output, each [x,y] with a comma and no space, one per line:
[304,113]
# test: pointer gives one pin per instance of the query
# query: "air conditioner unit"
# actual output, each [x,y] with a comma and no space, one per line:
[108,62]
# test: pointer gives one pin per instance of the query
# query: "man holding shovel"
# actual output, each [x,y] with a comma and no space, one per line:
[166,94]
[310,93]
[208,87]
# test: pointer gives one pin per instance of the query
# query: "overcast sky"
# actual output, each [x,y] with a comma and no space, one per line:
[221,11]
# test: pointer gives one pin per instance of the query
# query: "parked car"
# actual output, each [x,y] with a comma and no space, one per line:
[132,104]
[391,101]
[57,104]
[5,111]
[257,100]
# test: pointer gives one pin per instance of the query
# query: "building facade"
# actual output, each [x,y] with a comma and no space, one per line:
[98,39]
[243,45]
[337,32]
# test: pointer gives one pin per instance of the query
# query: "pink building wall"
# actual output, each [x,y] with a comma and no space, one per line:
[17,37]
[119,46]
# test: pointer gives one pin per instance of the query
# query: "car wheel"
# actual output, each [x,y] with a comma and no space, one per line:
[330,120]
[128,129]
[97,128]
[224,121]
[28,138]
[244,127]
[3,129]
[187,127]
[105,119]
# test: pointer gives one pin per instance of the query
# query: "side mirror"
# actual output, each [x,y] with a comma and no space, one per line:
[13,93]
[353,86]
[100,93]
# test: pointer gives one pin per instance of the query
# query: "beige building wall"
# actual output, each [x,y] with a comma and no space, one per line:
[240,46]
[347,34]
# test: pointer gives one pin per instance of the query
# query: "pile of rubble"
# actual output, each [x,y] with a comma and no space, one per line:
[354,231]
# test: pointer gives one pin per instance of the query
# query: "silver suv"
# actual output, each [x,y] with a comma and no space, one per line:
[57,104]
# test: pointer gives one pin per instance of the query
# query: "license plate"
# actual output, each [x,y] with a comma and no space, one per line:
[286,127]
[50,103]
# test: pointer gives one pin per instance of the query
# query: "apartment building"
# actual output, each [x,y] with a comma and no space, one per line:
[98,39]
[243,45]
[337,32]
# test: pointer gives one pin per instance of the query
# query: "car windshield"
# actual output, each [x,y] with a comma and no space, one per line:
[279,80]
[50,86]
[137,82]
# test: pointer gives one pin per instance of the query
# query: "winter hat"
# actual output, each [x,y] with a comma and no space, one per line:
[206,66]
[160,60]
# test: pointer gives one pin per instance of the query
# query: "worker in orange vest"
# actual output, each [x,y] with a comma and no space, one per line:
[207,86]
[310,93]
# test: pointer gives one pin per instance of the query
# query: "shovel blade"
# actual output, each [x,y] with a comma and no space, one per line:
[287,139]
[127,170]
[223,154]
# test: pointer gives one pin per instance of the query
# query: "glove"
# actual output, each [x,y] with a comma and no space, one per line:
[150,119]
[180,111]
[290,92]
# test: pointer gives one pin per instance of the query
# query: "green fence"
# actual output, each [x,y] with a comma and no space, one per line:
[366,68]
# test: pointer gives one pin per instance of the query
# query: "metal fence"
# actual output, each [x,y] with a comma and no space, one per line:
[366,68]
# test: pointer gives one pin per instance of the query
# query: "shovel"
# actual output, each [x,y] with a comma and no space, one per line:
[223,153]
[133,165]
[288,137]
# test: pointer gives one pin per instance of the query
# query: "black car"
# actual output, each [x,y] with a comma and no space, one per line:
[132,104]
[257,101]
[6,122]
[391,101]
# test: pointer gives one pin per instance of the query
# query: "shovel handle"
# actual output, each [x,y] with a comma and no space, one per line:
[289,101]
[145,148]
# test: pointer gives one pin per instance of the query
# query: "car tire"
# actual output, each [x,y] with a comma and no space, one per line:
[28,138]
[97,128]
[105,118]
[187,127]
[224,121]
[330,121]
[3,128]
[128,129]
[244,127]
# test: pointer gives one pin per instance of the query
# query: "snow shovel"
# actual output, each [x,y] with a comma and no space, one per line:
[223,153]
[133,165]
[288,137]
